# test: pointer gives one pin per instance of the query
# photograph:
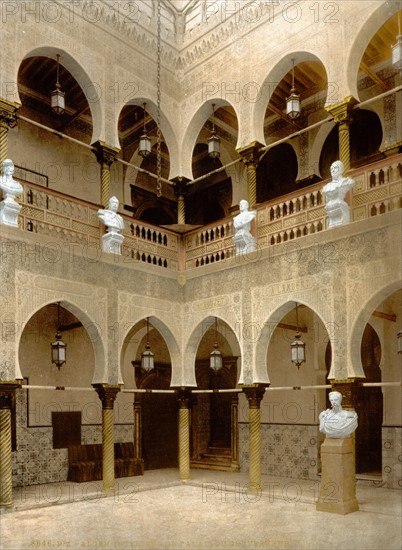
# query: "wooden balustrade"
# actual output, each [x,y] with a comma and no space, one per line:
[76,222]
[378,190]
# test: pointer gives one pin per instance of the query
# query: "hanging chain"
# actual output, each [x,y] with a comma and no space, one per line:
[158,122]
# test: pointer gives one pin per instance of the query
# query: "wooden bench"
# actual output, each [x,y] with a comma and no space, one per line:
[85,462]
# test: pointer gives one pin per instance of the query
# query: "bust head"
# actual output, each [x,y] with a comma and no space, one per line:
[243,205]
[8,167]
[335,398]
[113,204]
[337,169]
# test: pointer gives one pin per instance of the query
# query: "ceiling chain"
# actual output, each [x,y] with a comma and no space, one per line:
[158,122]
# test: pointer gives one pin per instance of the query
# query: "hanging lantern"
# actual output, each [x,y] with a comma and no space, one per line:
[57,102]
[215,361]
[147,357]
[297,346]
[214,141]
[144,147]
[397,47]
[293,107]
[58,348]
[399,338]
[397,53]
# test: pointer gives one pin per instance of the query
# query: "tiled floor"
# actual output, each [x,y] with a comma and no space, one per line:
[214,510]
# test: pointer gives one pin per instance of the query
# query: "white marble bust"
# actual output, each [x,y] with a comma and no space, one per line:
[336,422]
[113,221]
[243,239]
[112,240]
[8,185]
[9,208]
[338,211]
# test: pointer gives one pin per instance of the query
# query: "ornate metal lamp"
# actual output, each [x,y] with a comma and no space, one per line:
[58,348]
[214,141]
[215,361]
[397,47]
[293,107]
[147,357]
[57,96]
[144,148]
[297,346]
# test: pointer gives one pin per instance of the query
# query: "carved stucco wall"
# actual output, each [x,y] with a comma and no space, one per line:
[87,302]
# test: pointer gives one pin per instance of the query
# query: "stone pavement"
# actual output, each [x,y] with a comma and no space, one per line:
[214,510]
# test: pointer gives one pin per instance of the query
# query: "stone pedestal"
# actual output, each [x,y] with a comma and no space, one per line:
[9,211]
[338,480]
[111,242]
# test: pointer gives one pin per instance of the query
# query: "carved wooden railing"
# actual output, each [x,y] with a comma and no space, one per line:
[75,222]
[378,190]
[72,221]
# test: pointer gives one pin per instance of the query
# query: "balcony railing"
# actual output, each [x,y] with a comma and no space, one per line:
[76,222]
[378,190]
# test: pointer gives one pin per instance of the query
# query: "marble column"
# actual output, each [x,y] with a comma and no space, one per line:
[250,156]
[7,399]
[342,117]
[184,398]
[107,394]
[8,119]
[105,155]
[254,394]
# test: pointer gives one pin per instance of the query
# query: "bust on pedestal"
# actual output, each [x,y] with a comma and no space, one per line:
[9,208]
[338,476]
[243,239]
[112,240]
[338,211]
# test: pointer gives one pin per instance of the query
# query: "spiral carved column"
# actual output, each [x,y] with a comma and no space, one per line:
[105,155]
[184,434]
[107,394]
[250,156]
[7,397]
[254,394]
[180,189]
[8,119]
[342,117]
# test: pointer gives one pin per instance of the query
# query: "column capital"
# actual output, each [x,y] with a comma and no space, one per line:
[341,111]
[105,154]
[250,153]
[107,394]
[7,392]
[348,389]
[184,397]
[254,394]
[8,112]
[180,186]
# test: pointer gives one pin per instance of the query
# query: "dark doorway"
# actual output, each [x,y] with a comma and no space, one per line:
[369,407]
[159,422]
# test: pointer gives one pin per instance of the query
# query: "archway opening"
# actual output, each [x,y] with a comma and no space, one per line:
[214,413]
[158,411]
